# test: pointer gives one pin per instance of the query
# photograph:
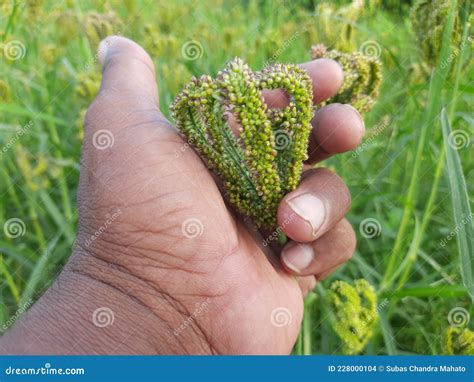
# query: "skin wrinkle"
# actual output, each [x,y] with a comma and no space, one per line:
[190,261]
[141,229]
[163,265]
[85,271]
[91,120]
[185,313]
[118,93]
[113,59]
[172,302]
[194,272]
[132,245]
[85,318]
[132,250]
[154,141]
[161,232]
[49,317]
[224,257]
[158,197]
[140,124]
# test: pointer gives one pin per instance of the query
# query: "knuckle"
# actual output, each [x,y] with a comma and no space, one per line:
[351,240]
[340,188]
[131,53]
[95,112]
[330,180]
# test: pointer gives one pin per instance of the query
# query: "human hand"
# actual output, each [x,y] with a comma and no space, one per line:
[160,249]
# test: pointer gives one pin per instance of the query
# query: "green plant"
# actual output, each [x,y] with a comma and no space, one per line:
[355,313]
[428,18]
[459,341]
[335,24]
[362,77]
[87,85]
[5,91]
[264,162]
[100,25]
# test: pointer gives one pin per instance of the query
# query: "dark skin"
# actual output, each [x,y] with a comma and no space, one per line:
[172,292]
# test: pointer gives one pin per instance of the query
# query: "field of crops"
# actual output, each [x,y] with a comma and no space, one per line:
[410,185]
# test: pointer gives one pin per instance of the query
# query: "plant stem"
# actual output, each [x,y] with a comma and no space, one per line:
[439,165]
[434,102]
[282,239]
[9,279]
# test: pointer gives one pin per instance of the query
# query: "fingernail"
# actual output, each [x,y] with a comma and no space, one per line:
[311,209]
[297,257]
[102,50]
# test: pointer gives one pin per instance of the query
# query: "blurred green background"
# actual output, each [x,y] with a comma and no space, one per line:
[408,227]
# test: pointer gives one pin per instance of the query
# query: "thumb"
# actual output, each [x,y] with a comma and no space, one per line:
[128,93]
[127,70]
[125,112]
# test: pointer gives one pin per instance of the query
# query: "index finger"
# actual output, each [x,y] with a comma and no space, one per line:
[326,75]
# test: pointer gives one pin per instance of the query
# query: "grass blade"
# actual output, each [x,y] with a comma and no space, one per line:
[9,279]
[38,273]
[387,334]
[437,83]
[461,209]
[445,291]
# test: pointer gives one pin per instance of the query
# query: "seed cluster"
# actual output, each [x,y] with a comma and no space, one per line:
[459,341]
[428,18]
[263,162]
[355,310]
[362,77]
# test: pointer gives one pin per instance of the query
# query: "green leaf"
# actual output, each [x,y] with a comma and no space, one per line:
[39,272]
[9,279]
[461,209]
[438,80]
[387,334]
[441,291]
